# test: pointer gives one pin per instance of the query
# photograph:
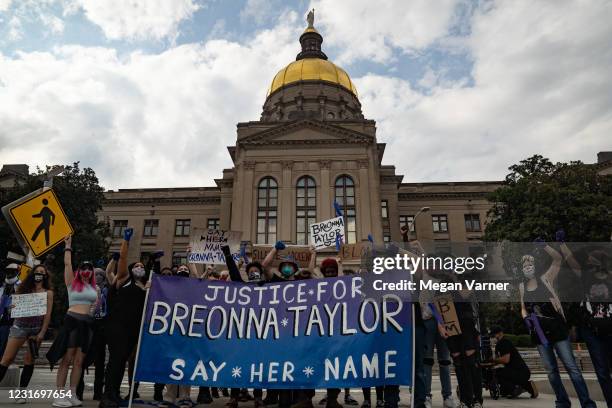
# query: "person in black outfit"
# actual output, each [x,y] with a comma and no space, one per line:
[514,376]
[126,299]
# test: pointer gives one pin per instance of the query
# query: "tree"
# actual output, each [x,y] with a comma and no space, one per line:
[539,197]
[81,197]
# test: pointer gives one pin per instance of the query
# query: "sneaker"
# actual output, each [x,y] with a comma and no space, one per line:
[477,405]
[61,402]
[449,402]
[75,402]
[534,389]
[323,401]
[349,400]
[380,404]
[185,403]
[21,401]
[428,402]
[366,404]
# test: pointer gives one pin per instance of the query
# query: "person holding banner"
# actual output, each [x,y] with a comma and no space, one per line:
[74,339]
[31,328]
[543,314]
[126,299]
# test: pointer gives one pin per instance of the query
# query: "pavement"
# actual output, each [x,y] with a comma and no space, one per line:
[43,379]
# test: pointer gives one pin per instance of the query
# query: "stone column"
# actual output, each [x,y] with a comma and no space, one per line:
[286,206]
[325,192]
[247,200]
[365,213]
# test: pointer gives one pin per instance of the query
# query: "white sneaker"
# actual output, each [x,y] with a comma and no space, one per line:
[427,402]
[477,405]
[21,401]
[449,403]
[75,402]
[61,402]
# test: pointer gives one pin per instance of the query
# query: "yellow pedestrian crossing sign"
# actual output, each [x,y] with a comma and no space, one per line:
[41,221]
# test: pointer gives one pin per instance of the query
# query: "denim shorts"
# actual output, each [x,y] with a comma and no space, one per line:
[21,332]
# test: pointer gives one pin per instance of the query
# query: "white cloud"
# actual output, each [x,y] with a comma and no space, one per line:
[136,19]
[372,30]
[53,23]
[144,120]
[5,5]
[541,85]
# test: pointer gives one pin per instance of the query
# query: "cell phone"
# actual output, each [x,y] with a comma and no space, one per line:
[33,345]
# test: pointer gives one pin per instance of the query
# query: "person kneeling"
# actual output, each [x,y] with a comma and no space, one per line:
[514,376]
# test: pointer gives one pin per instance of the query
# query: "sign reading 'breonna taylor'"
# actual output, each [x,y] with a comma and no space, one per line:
[318,333]
[323,234]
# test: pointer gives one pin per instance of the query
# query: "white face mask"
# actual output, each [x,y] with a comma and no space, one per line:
[138,272]
[529,271]
[12,280]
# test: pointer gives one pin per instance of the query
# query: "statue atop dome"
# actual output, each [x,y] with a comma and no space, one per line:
[310,18]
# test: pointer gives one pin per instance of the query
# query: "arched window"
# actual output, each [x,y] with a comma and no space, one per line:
[267,202]
[345,196]
[305,208]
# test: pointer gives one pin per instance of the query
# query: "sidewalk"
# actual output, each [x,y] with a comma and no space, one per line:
[44,379]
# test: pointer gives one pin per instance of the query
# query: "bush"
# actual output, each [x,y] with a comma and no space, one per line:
[521,340]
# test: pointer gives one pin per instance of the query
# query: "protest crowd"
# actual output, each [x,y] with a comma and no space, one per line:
[105,307]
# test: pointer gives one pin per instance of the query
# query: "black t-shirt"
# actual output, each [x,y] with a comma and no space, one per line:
[125,306]
[505,346]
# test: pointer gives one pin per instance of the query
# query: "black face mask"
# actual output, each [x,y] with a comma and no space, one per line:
[39,277]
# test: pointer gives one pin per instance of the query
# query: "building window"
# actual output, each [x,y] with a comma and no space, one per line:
[305,208]
[407,220]
[151,228]
[345,196]
[440,223]
[384,208]
[179,258]
[472,222]
[212,223]
[118,227]
[267,201]
[182,228]
[387,238]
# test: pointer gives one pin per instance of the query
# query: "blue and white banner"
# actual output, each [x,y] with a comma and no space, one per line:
[318,333]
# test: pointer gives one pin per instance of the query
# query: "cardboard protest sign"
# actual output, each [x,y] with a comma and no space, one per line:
[30,304]
[350,252]
[323,234]
[446,308]
[40,221]
[206,245]
[299,254]
[316,333]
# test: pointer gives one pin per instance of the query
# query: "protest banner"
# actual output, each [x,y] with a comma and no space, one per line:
[446,308]
[299,254]
[323,234]
[351,252]
[318,333]
[30,304]
[206,245]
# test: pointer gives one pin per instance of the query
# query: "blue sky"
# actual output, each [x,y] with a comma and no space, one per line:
[460,90]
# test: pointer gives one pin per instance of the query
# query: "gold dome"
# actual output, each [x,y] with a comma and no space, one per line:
[312,69]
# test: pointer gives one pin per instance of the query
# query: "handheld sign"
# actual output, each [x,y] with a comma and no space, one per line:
[296,253]
[40,221]
[30,304]
[323,234]
[350,252]
[446,309]
[206,245]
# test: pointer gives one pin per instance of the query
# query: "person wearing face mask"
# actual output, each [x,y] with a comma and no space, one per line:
[541,309]
[28,328]
[9,276]
[126,296]
[74,339]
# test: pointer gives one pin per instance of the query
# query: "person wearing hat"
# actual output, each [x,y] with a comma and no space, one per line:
[514,376]
[31,329]
[9,277]
[74,339]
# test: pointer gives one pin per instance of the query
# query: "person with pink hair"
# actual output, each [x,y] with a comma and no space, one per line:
[74,339]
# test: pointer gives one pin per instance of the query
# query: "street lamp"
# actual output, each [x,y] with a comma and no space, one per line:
[422,210]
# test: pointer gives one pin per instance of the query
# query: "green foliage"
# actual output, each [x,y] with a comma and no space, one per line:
[521,340]
[81,197]
[539,197]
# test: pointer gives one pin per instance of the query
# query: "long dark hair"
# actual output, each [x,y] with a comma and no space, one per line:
[28,284]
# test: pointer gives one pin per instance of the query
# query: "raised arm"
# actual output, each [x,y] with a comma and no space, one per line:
[313,259]
[111,267]
[68,272]
[231,265]
[279,246]
[45,325]
[554,268]
[571,259]
[122,265]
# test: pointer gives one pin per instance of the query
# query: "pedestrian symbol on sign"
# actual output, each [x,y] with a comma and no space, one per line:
[48,219]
